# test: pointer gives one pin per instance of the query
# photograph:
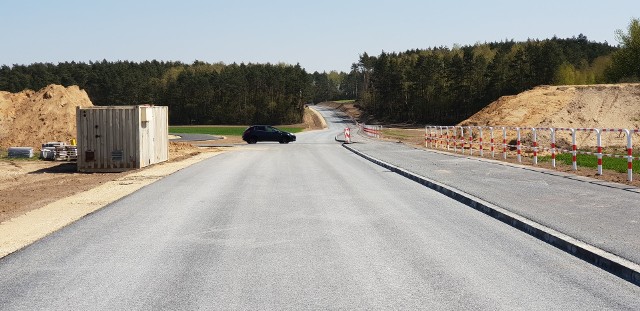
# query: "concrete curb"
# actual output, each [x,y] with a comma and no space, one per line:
[611,263]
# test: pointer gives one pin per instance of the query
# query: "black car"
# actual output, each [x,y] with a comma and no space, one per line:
[256,133]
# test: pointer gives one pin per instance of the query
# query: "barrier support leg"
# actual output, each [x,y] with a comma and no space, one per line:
[426,140]
[535,146]
[518,145]
[480,141]
[504,143]
[447,138]
[574,150]
[629,156]
[462,137]
[470,141]
[553,148]
[599,154]
[493,153]
[455,140]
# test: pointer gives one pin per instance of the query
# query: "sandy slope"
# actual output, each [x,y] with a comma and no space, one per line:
[577,106]
[593,106]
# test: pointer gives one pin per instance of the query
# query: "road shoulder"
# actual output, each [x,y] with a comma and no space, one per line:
[23,230]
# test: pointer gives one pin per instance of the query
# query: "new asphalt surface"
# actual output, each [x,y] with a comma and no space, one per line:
[307,225]
[598,213]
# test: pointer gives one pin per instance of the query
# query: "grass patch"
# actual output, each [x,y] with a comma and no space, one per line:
[222,130]
[399,134]
[591,161]
[212,130]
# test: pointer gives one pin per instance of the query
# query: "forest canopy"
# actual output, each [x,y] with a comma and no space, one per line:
[438,85]
[199,93]
[444,86]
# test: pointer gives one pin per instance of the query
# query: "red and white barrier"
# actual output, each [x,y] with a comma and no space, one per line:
[439,137]
[347,135]
[372,130]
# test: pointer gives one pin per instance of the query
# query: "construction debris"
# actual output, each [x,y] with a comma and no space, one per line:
[20,152]
[59,151]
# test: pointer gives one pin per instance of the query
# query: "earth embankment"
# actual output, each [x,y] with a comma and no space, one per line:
[575,106]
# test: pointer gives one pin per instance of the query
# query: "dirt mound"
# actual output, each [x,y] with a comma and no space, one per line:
[28,118]
[577,106]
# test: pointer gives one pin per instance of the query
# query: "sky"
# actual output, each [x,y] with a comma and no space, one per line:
[320,35]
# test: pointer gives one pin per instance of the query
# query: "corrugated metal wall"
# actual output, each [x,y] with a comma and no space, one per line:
[161,114]
[114,138]
[154,134]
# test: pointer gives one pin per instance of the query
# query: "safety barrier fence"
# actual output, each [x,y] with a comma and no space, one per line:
[548,140]
[371,130]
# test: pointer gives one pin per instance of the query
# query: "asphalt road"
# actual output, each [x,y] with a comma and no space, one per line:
[307,225]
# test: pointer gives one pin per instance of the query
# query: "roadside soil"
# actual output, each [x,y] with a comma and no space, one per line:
[26,185]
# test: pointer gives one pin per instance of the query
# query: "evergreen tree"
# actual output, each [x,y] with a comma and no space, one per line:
[626,61]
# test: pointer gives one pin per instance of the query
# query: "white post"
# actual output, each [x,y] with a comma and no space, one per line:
[470,140]
[504,142]
[553,147]
[481,146]
[448,142]
[426,135]
[518,146]
[535,145]
[455,140]
[629,156]
[574,149]
[462,137]
[493,152]
[599,146]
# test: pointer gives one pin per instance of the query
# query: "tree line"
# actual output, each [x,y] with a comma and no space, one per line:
[444,85]
[438,85]
[198,93]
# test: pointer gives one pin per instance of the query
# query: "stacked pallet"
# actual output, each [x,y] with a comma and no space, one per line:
[59,151]
[66,153]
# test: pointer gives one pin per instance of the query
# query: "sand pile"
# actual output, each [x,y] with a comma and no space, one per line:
[28,118]
[579,106]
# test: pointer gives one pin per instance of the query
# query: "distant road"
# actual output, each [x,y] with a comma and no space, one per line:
[306,225]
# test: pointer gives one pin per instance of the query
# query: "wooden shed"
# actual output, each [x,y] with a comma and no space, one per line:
[120,138]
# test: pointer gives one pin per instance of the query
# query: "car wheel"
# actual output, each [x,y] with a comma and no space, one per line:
[252,140]
[282,140]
